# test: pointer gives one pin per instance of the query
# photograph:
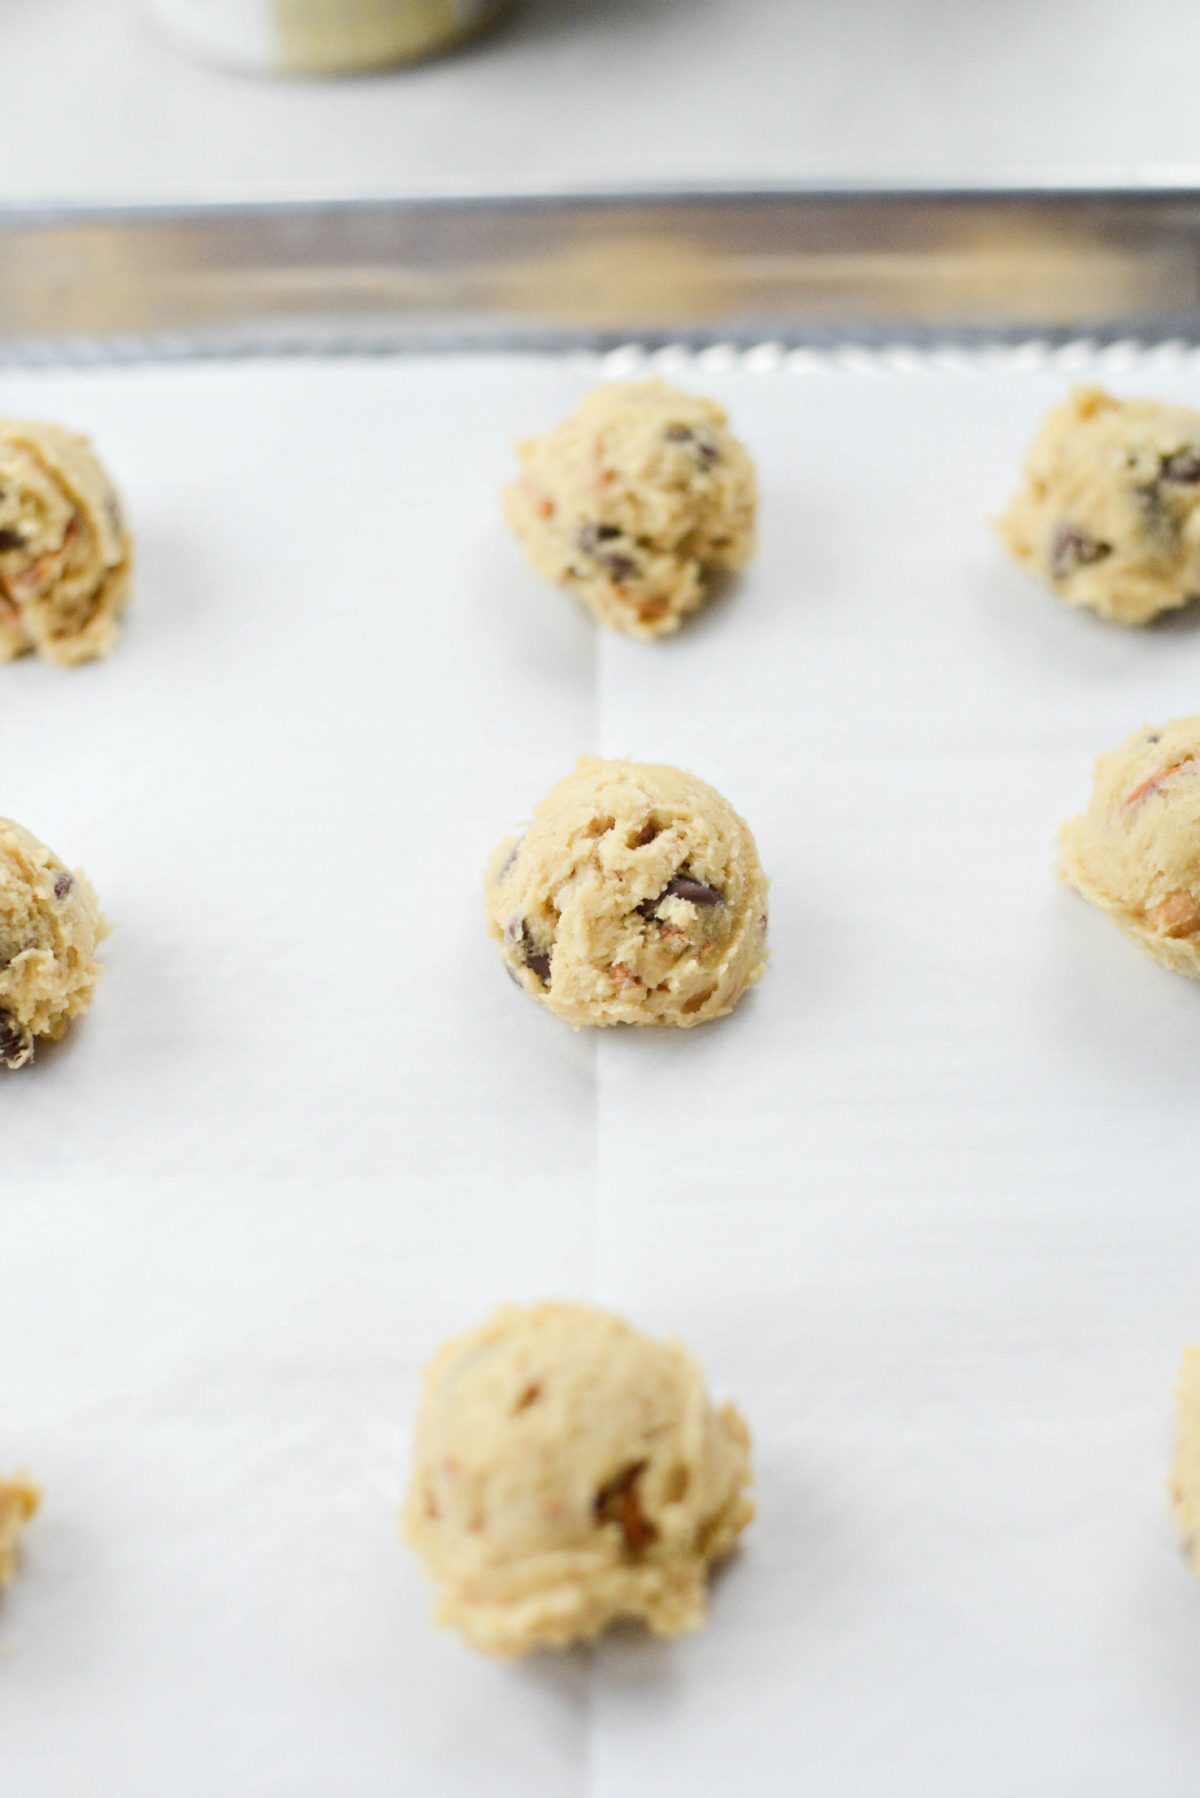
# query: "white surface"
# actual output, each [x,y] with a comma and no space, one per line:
[925,1204]
[233,33]
[591,93]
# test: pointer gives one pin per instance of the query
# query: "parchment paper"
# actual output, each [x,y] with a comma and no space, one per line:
[927,1204]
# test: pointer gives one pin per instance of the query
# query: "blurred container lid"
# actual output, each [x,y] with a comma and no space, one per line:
[319,37]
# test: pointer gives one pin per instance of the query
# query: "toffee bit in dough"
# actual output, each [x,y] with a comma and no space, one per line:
[19,1501]
[1185,1475]
[635,897]
[634,501]
[50,926]
[568,1471]
[1135,852]
[1109,516]
[65,553]
[618,1503]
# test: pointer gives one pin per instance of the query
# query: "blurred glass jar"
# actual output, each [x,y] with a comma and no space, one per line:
[319,37]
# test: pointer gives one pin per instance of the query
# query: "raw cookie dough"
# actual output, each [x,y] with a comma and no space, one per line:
[1110,513]
[50,925]
[633,501]
[1185,1475]
[567,1471]
[635,897]
[1135,852]
[18,1502]
[65,550]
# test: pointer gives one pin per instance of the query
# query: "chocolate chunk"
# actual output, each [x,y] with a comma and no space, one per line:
[589,537]
[618,1502]
[518,935]
[1163,520]
[1074,548]
[540,965]
[707,453]
[63,884]
[10,539]
[1182,469]
[16,1044]
[695,892]
[622,568]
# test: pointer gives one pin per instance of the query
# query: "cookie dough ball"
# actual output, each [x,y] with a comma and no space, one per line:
[1185,1475]
[635,897]
[569,1470]
[634,501]
[18,1502]
[1135,852]
[65,551]
[50,925]
[1110,513]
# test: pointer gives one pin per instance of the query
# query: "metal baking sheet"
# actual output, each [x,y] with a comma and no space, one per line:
[539,272]
[924,1204]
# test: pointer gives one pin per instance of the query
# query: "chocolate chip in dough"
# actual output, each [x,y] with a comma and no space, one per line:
[1182,469]
[517,933]
[16,1044]
[695,892]
[590,537]
[707,454]
[1073,549]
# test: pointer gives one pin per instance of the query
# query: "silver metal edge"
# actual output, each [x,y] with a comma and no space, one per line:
[817,266]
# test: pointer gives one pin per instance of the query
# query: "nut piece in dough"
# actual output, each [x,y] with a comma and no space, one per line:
[65,550]
[635,897]
[1135,852]
[50,925]
[1185,1475]
[18,1502]
[569,1470]
[634,501]
[1109,516]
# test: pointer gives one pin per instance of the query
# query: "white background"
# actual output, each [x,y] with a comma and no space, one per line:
[925,1204]
[592,93]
